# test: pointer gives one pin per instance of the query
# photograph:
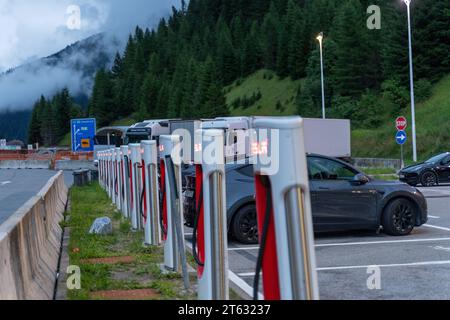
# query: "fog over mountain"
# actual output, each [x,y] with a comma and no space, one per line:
[33,31]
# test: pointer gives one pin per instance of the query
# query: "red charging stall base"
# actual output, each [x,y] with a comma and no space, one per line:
[201,219]
[131,186]
[145,193]
[271,283]
[164,196]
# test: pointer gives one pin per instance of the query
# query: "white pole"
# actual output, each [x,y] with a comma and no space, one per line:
[322,76]
[411,75]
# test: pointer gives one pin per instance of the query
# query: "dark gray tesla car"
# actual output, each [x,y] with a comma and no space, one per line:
[429,173]
[342,198]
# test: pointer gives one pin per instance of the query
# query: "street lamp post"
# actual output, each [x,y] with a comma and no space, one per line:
[320,39]
[411,76]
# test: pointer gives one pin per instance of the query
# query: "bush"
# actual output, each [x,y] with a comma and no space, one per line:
[422,90]
[396,93]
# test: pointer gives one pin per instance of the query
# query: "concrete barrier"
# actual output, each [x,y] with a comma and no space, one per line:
[30,242]
[72,165]
[25,164]
[377,163]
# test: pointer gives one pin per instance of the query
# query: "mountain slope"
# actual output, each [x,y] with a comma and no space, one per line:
[432,116]
[273,92]
[73,67]
[432,123]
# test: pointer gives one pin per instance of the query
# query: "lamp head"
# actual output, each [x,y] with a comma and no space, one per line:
[320,37]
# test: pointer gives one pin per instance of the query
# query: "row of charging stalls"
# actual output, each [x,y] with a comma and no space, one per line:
[144,182]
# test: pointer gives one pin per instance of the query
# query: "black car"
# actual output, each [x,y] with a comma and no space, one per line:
[429,173]
[342,198]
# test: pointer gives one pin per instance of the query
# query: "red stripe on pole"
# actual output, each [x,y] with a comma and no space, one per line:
[145,193]
[201,219]
[131,185]
[270,276]
[164,196]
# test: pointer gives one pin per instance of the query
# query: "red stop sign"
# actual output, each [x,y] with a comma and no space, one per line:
[401,123]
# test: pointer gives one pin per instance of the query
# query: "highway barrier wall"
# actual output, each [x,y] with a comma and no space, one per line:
[25,164]
[30,242]
[72,165]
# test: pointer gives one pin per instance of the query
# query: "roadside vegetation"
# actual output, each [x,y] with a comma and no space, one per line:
[141,271]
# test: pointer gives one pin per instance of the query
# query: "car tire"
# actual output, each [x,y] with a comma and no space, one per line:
[428,179]
[244,227]
[399,217]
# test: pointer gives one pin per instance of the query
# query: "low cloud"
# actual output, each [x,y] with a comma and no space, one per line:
[32,30]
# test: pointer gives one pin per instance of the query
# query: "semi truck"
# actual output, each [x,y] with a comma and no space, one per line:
[148,130]
[328,137]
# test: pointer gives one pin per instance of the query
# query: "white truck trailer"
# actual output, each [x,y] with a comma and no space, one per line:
[328,137]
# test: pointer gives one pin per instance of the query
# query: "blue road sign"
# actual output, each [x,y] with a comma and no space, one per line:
[401,137]
[83,134]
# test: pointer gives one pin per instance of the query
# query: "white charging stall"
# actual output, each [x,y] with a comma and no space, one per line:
[287,256]
[136,186]
[126,187]
[151,217]
[210,244]
[171,186]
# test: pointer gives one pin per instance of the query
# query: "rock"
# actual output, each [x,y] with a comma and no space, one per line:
[102,226]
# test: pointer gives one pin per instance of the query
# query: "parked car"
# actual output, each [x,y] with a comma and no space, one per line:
[429,173]
[342,197]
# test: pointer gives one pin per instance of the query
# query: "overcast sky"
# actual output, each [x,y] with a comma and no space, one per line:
[34,29]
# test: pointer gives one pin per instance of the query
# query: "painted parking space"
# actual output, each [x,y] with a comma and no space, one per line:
[411,267]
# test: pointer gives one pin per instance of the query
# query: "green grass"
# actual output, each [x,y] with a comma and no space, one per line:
[433,130]
[378,171]
[89,203]
[273,89]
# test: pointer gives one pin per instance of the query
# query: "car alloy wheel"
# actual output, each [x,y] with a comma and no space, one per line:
[245,225]
[429,179]
[403,218]
[249,227]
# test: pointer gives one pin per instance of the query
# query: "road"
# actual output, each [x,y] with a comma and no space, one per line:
[18,186]
[412,267]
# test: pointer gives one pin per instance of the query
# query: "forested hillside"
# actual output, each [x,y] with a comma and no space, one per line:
[219,57]
[181,68]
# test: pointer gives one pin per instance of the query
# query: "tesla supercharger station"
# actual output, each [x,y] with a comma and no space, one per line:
[113,176]
[118,179]
[287,256]
[151,217]
[109,173]
[125,192]
[210,245]
[172,207]
[136,185]
[100,168]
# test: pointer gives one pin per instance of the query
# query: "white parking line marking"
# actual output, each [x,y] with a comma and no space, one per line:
[357,243]
[243,248]
[433,217]
[425,263]
[244,286]
[436,227]
[412,264]
[4,183]
[379,242]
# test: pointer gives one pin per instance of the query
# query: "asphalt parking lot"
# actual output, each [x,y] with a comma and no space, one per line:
[412,267]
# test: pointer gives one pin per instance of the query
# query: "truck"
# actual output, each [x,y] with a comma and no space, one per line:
[148,130]
[237,139]
[186,129]
[328,137]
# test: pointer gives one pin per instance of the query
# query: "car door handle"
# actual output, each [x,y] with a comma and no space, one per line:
[324,188]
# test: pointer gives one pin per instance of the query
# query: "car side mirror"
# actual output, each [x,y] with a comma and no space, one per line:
[361,179]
